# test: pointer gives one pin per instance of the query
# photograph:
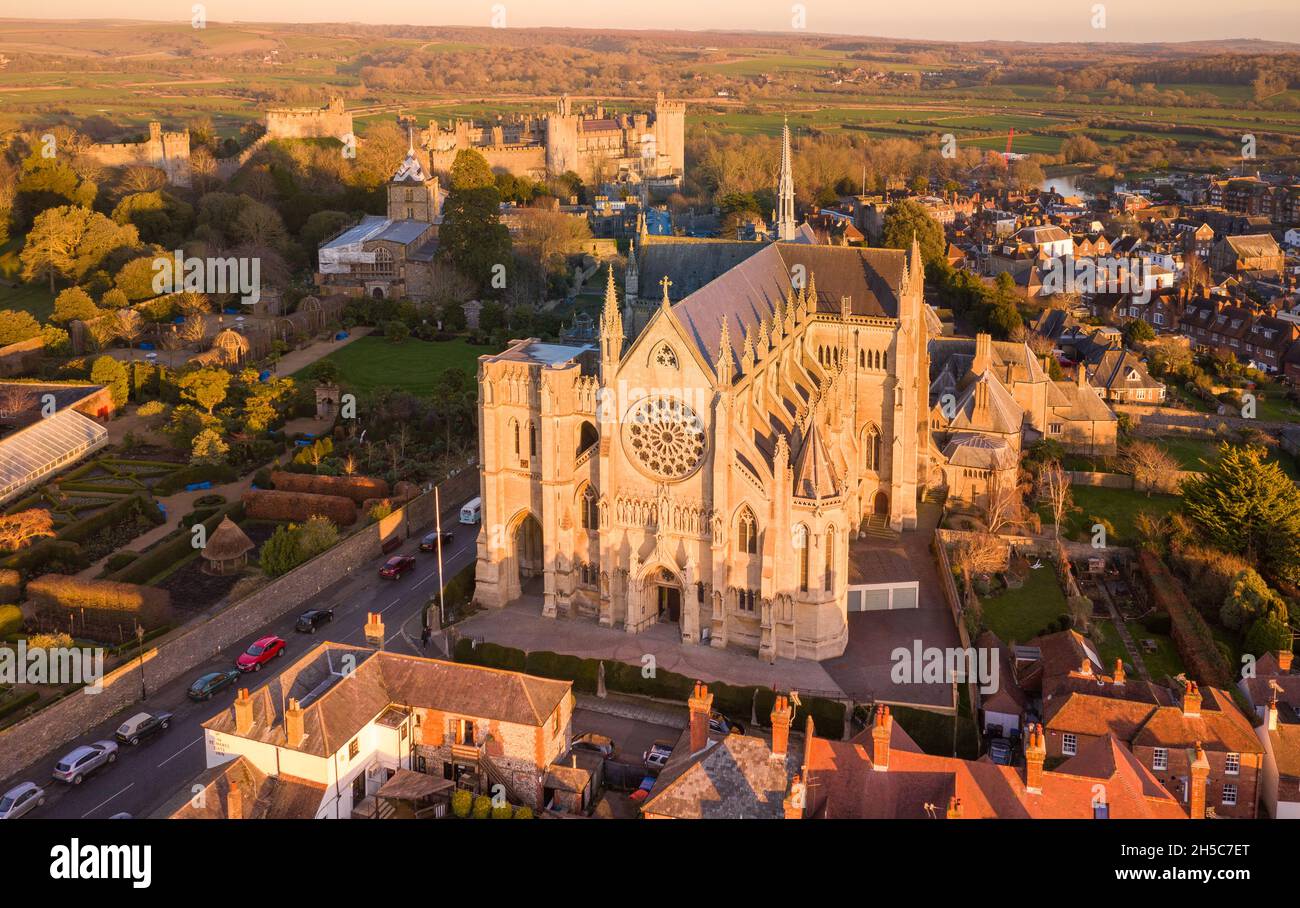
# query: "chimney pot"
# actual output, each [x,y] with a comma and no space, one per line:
[881,732]
[1284,659]
[1191,699]
[293,723]
[1119,670]
[1035,755]
[243,712]
[782,714]
[701,706]
[1200,774]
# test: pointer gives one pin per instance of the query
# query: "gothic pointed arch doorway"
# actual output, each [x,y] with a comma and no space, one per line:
[525,560]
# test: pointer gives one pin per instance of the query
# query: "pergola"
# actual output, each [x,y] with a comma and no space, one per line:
[417,788]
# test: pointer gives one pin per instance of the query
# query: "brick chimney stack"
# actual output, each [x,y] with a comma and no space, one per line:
[1200,773]
[1270,714]
[1284,660]
[1035,754]
[983,353]
[881,732]
[793,805]
[1191,700]
[782,715]
[375,630]
[293,723]
[1119,670]
[234,802]
[243,712]
[701,704]
[954,808]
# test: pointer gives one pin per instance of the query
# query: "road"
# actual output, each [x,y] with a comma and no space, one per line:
[147,775]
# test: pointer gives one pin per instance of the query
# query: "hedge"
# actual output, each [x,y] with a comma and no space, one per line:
[36,557]
[11,620]
[299,506]
[11,586]
[217,474]
[1195,641]
[358,488]
[165,554]
[99,604]
[112,515]
[19,702]
[734,701]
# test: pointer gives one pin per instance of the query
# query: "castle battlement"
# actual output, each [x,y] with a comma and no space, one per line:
[332,121]
[167,151]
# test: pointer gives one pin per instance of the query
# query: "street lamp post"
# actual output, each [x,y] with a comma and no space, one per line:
[139,635]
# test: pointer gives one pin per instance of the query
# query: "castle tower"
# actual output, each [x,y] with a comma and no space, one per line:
[785,226]
[670,137]
[562,138]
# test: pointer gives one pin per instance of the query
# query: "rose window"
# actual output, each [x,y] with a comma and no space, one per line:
[665,436]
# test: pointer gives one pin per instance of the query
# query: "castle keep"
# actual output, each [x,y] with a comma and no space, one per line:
[597,145]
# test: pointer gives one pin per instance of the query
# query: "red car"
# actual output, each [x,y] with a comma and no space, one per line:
[259,653]
[396,566]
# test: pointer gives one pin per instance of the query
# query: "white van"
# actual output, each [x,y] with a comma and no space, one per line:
[472,512]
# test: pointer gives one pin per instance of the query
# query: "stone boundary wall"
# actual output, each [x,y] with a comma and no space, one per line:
[21,357]
[1117,480]
[187,647]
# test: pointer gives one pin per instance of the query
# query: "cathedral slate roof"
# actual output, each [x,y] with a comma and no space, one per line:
[750,291]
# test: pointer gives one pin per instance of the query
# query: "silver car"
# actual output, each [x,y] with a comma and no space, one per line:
[20,799]
[84,760]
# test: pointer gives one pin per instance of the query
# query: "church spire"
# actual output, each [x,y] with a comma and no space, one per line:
[785,189]
[725,364]
[611,322]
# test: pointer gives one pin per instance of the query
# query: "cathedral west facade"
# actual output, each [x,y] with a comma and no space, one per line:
[710,469]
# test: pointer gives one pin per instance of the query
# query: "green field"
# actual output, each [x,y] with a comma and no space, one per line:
[370,363]
[1117,506]
[33,298]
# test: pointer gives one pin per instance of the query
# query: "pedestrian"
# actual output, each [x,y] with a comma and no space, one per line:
[424,637]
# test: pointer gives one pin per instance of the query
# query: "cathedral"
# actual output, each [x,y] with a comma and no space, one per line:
[709,468]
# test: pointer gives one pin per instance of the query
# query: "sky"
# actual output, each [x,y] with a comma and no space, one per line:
[952,20]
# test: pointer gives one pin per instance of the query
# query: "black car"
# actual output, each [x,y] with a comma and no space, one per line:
[721,725]
[430,542]
[141,726]
[311,619]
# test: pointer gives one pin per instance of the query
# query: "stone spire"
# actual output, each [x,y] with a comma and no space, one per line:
[785,226]
[725,365]
[611,322]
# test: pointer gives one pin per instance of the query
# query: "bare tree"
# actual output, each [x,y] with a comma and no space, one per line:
[1054,490]
[193,329]
[102,330]
[1004,505]
[979,554]
[15,399]
[1151,466]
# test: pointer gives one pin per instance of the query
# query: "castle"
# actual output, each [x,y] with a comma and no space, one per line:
[167,151]
[597,145]
[328,122]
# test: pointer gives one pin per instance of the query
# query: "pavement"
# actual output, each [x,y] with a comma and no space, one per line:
[145,776]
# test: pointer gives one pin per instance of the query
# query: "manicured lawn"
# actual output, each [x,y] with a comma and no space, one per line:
[1117,506]
[33,298]
[1022,614]
[1163,663]
[371,362]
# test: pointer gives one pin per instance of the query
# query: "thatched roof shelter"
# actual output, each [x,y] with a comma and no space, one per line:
[227,548]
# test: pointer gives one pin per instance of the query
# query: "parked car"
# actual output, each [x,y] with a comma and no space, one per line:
[81,761]
[1000,751]
[430,543]
[141,726]
[261,652]
[657,756]
[643,790]
[209,684]
[721,725]
[396,566]
[601,744]
[21,799]
[311,619]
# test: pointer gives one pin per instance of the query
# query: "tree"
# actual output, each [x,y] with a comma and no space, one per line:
[112,374]
[279,554]
[114,299]
[1054,489]
[1003,503]
[906,218]
[1269,634]
[18,326]
[1244,503]
[129,326]
[470,170]
[17,530]
[396,331]
[1249,600]
[1138,332]
[74,304]
[208,448]
[979,554]
[452,315]
[70,242]
[1150,465]
[205,387]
